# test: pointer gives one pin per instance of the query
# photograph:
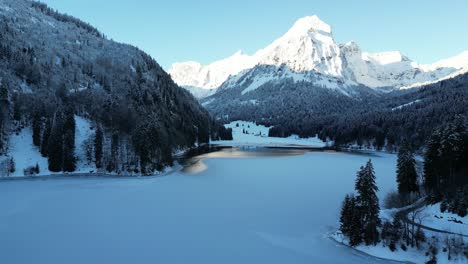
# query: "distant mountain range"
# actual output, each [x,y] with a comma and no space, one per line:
[305,83]
[308,52]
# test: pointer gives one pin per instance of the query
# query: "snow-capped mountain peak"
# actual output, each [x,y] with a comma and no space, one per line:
[308,52]
[308,24]
[307,46]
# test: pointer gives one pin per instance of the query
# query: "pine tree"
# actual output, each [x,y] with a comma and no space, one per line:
[368,203]
[12,166]
[431,164]
[55,144]
[346,215]
[69,126]
[406,171]
[355,232]
[69,160]
[45,138]
[36,128]
[98,147]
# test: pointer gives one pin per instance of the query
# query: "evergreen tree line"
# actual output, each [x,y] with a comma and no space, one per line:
[359,218]
[446,167]
[366,118]
[445,181]
[54,135]
[143,115]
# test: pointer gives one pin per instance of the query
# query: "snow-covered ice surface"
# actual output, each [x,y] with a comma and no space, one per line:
[432,217]
[257,135]
[237,210]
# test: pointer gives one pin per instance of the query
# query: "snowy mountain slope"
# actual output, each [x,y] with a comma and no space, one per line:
[116,85]
[26,155]
[193,74]
[308,47]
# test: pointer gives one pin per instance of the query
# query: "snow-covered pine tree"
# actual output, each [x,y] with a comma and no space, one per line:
[406,171]
[368,203]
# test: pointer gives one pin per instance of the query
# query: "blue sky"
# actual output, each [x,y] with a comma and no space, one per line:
[208,30]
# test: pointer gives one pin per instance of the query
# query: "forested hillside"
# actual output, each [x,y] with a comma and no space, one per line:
[367,118]
[54,66]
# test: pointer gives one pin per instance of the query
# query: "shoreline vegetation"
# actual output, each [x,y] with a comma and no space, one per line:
[426,219]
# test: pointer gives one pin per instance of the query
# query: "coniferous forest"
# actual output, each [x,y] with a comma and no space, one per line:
[50,74]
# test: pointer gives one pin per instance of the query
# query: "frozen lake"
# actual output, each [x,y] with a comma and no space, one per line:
[268,206]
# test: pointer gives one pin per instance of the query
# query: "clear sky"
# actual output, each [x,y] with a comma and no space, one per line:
[208,30]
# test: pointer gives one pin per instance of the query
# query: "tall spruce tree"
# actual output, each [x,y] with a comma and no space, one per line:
[69,160]
[368,203]
[37,128]
[45,138]
[350,222]
[98,139]
[431,166]
[69,127]
[406,171]
[346,214]
[55,144]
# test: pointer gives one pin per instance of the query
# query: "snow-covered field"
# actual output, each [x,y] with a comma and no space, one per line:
[250,134]
[432,217]
[275,209]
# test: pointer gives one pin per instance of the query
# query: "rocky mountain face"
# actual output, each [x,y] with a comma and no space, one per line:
[308,52]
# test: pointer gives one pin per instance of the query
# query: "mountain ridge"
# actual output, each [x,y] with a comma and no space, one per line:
[309,46]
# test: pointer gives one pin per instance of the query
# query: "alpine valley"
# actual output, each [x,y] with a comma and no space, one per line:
[305,83]
[307,151]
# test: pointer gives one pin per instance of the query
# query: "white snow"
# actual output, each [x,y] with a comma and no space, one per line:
[193,74]
[83,132]
[433,217]
[257,135]
[405,105]
[427,215]
[25,154]
[308,47]
[262,209]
